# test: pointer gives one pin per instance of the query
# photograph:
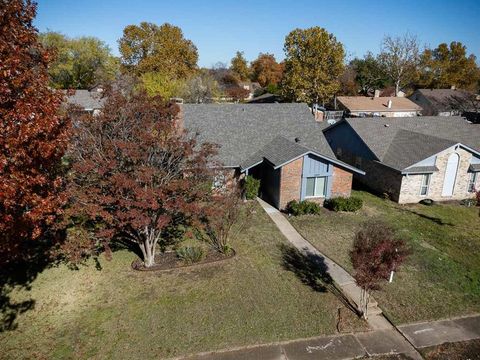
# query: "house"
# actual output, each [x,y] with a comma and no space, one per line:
[445,102]
[87,100]
[251,87]
[280,144]
[265,98]
[410,159]
[365,106]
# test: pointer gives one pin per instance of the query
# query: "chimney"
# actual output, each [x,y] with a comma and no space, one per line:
[453,87]
[389,104]
[178,119]
[319,116]
[376,93]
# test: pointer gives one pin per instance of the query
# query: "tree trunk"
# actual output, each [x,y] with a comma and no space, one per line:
[397,88]
[148,246]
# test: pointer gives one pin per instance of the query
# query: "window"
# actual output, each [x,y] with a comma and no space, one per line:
[425,184]
[219,181]
[471,182]
[316,187]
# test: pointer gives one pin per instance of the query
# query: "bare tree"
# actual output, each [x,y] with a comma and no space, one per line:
[399,59]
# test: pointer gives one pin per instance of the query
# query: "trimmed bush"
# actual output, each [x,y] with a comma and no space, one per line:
[252,186]
[350,204]
[303,208]
[427,202]
[190,254]
[468,202]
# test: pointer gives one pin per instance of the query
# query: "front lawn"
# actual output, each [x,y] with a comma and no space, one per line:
[119,313]
[442,276]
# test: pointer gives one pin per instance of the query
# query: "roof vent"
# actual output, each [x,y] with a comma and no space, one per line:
[297,140]
[389,104]
[386,125]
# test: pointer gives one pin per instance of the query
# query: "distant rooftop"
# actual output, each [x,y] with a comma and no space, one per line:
[377,104]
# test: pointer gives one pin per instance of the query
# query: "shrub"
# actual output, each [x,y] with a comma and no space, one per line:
[350,204]
[303,208]
[252,186]
[427,202]
[190,254]
[468,202]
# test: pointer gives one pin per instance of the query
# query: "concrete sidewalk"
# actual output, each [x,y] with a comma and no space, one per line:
[385,338]
[351,346]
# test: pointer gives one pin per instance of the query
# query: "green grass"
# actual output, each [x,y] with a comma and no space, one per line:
[118,313]
[442,276]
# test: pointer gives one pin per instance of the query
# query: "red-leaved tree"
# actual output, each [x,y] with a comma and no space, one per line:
[134,173]
[376,253]
[33,136]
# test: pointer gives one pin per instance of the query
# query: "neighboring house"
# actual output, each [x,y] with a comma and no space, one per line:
[363,106]
[266,98]
[445,102]
[89,101]
[411,159]
[280,144]
[251,87]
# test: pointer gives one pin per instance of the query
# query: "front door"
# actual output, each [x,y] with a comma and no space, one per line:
[450,175]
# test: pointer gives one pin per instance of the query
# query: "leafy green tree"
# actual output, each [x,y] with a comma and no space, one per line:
[79,63]
[158,84]
[313,64]
[369,74]
[447,66]
[239,66]
[399,59]
[266,70]
[149,48]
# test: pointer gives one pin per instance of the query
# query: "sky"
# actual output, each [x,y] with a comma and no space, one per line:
[220,28]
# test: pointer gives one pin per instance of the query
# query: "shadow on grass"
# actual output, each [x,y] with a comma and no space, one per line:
[312,271]
[20,273]
[436,220]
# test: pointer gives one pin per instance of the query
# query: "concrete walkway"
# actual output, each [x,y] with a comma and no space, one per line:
[351,346]
[393,341]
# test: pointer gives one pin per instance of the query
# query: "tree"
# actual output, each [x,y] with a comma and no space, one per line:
[369,74]
[447,66]
[33,135]
[159,84]
[266,71]
[134,172]
[162,49]
[348,85]
[79,63]
[376,253]
[399,59]
[237,93]
[239,66]
[313,63]
[202,88]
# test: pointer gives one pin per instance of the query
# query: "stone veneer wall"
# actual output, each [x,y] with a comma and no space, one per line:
[410,190]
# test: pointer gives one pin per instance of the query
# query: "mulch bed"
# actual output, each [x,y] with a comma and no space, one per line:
[169,260]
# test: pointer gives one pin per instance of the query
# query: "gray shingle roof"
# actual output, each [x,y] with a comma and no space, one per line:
[88,100]
[402,142]
[242,130]
[278,151]
[421,169]
[447,99]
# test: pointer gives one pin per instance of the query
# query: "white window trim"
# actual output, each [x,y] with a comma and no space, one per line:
[314,187]
[428,184]
[472,181]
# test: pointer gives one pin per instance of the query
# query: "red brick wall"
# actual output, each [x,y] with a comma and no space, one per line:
[342,182]
[290,182]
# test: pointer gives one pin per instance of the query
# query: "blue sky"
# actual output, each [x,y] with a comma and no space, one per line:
[220,28]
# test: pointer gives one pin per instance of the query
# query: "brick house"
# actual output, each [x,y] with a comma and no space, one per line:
[446,102]
[411,159]
[280,144]
[368,106]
